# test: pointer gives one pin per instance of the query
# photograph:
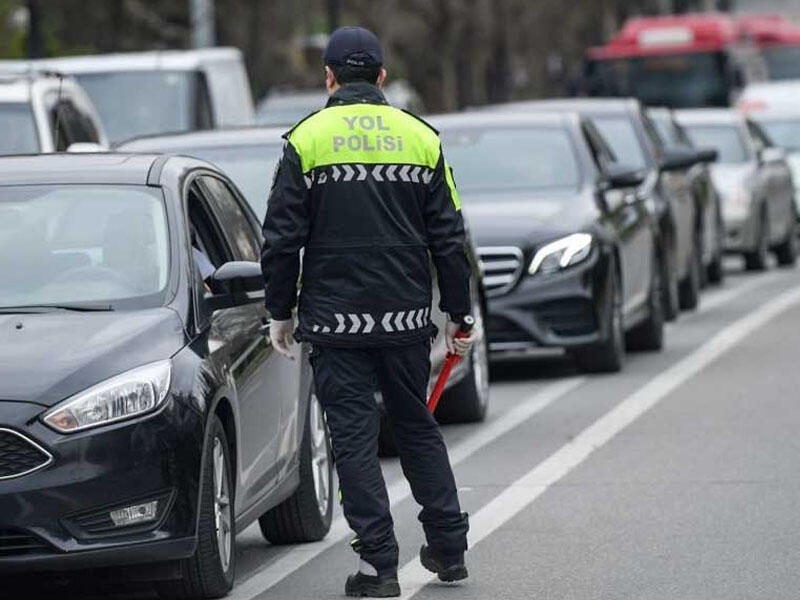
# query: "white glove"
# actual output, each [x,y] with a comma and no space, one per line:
[460,346]
[281,334]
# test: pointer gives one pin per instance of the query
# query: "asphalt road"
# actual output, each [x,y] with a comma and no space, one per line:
[677,478]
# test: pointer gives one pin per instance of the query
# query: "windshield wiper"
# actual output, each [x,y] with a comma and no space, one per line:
[43,308]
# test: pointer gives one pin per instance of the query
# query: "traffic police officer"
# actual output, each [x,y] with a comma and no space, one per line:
[364,188]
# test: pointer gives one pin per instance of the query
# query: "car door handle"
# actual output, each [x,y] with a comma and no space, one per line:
[264,329]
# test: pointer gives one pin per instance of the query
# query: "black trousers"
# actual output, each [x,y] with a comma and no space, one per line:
[346,381]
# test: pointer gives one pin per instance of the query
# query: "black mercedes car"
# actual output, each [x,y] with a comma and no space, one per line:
[632,137]
[144,417]
[567,247]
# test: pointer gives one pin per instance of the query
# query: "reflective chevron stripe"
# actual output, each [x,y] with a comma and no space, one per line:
[378,173]
[351,323]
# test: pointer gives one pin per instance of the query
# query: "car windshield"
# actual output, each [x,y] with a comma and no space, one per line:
[19,129]
[621,137]
[502,158]
[727,140]
[783,62]
[683,80]
[71,245]
[783,132]
[250,167]
[137,103]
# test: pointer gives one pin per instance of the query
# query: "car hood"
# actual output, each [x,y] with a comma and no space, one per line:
[45,358]
[525,218]
[729,178]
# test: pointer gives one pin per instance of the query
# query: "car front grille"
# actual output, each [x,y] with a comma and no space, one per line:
[501,267]
[571,317]
[20,455]
[14,543]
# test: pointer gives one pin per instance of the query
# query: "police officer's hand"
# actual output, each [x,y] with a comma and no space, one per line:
[460,346]
[281,334]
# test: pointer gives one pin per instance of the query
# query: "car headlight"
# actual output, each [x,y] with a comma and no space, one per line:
[131,394]
[562,253]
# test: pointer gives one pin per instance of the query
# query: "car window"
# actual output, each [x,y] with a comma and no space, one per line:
[727,140]
[621,136]
[603,155]
[540,157]
[62,244]
[19,129]
[209,245]
[760,138]
[784,132]
[238,227]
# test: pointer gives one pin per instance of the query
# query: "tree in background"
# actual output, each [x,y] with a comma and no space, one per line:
[456,53]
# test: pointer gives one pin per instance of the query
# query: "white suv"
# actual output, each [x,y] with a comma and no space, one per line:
[45,112]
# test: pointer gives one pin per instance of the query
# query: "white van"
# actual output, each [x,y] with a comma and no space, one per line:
[144,93]
[44,112]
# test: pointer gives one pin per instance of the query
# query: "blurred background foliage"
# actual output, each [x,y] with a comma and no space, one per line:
[455,53]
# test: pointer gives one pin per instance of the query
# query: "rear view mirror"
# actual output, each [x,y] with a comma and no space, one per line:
[772,155]
[676,159]
[623,176]
[707,155]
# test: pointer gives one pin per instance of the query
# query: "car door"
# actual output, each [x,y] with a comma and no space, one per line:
[625,213]
[255,371]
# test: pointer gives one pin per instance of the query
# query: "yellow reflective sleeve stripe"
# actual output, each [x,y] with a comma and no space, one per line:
[448,175]
[364,133]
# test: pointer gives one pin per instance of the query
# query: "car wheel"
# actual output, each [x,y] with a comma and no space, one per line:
[786,252]
[468,400]
[757,259]
[669,288]
[649,335]
[715,272]
[209,572]
[609,355]
[689,290]
[306,515]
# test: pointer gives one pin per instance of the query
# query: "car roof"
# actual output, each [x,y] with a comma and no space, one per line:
[100,168]
[215,138]
[709,116]
[502,119]
[659,112]
[178,60]
[14,90]
[581,105]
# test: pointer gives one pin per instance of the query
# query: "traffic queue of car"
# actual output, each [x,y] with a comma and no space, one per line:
[144,417]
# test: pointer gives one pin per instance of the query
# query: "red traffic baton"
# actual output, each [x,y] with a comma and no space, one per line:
[450,362]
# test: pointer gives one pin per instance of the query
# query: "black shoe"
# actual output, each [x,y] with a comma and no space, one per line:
[371,586]
[448,568]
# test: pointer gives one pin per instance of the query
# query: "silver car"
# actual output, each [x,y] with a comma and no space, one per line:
[783,128]
[755,182]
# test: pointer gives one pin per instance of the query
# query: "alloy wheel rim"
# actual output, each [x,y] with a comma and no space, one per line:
[222,506]
[320,456]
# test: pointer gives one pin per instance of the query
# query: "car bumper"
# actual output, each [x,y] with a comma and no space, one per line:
[57,518]
[551,311]
[740,234]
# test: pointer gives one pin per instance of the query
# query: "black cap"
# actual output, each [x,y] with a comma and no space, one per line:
[354,46]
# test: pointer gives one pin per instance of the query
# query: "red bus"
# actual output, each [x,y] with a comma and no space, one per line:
[676,61]
[779,42]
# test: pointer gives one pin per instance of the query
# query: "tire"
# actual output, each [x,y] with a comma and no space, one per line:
[306,515]
[210,571]
[757,259]
[609,355]
[689,289]
[468,400]
[786,251]
[715,272]
[648,336]
[669,288]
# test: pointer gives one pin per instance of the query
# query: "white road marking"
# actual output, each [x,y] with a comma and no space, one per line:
[526,489]
[298,556]
[489,431]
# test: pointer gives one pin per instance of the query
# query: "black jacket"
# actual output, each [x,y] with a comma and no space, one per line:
[364,189]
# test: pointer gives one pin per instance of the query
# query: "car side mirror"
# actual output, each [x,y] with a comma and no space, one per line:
[242,274]
[707,155]
[772,155]
[623,176]
[676,159]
